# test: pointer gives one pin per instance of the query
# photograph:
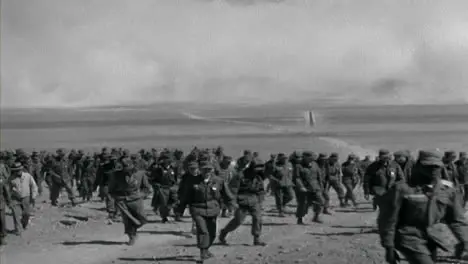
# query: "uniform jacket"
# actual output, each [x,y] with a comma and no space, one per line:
[226,173]
[410,216]
[380,177]
[333,172]
[282,175]
[350,171]
[450,173]
[129,186]
[462,166]
[61,170]
[407,169]
[163,177]
[309,177]
[203,196]
[247,186]
[5,198]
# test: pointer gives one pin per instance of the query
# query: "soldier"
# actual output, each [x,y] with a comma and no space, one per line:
[243,161]
[104,175]
[462,168]
[380,176]
[247,186]
[350,170]
[203,194]
[60,177]
[5,201]
[87,178]
[164,182]
[310,189]
[404,160]
[322,162]
[282,183]
[36,171]
[269,167]
[333,177]
[23,190]
[226,172]
[410,217]
[363,165]
[128,188]
[450,173]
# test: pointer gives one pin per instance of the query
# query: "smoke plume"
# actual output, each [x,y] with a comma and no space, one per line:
[101,52]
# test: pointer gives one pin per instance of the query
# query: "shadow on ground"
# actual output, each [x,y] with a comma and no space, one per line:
[344,233]
[156,259]
[268,224]
[363,227]
[93,242]
[168,232]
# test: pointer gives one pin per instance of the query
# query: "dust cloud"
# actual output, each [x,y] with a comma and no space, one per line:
[103,52]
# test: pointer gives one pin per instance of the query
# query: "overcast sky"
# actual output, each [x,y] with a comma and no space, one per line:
[98,52]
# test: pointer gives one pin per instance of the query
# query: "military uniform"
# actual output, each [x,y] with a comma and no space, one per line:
[282,183]
[165,188]
[363,165]
[105,173]
[309,188]
[350,170]
[129,187]
[87,178]
[410,217]
[333,179]
[381,175]
[247,186]
[61,177]
[203,194]
[226,172]
[36,171]
[462,167]
[5,201]
[406,164]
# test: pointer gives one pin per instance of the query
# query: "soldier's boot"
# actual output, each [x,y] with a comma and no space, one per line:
[205,254]
[177,218]
[132,239]
[164,220]
[224,213]
[317,218]
[25,221]
[222,237]
[327,211]
[258,242]
[54,203]
[281,213]
[73,202]
[342,203]
[300,221]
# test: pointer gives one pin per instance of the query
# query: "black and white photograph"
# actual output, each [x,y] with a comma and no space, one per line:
[233,131]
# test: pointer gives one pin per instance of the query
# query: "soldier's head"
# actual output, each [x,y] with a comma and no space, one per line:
[333,157]
[431,164]
[450,156]
[60,153]
[384,155]
[462,155]
[272,156]
[281,158]
[400,156]
[16,169]
[206,168]
[352,158]
[193,168]
[367,158]
[308,157]
[226,161]
[125,164]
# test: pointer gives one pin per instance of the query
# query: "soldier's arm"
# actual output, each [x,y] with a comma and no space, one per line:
[367,180]
[234,184]
[145,187]
[112,184]
[299,183]
[388,216]
[184,195]
[33,187]
[227,195]
[455,219]
[400,174]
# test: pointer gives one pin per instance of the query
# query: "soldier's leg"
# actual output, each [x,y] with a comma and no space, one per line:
[173,201]
[110,203]
[17,212]
[302,206]
[339,191]
[349,192]
[256,231]
[155,199]
[465,197]
[3,230]
[326,202]
[38,179]
[26,211]
[69,189]
[234,223]
[278,198]
[288,195]
[54,193]
[317,201]
[163,199]
[212,228]
[417,258]
[203,235]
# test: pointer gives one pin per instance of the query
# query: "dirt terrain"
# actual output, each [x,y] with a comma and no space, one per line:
[81,235]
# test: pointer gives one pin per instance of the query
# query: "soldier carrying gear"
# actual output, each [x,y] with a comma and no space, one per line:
[60,173]
[333,177]
[350,170]
[247,186]
[410,217]
[164,182]
[282,182]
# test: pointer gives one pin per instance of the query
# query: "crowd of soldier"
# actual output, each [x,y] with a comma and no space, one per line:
[212,184]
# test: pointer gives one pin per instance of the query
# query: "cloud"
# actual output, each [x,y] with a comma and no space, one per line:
[99,52]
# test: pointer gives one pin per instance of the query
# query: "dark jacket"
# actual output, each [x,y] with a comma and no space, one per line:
[204,197]
[282,175]
[5,198]
[247,186]
[129,186]
[409,216]
[381,177]
[309,177]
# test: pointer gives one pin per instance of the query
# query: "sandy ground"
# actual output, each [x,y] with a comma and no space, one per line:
[81,235]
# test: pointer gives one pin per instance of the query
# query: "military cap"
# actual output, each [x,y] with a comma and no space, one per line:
[462,154]
[227,158]
[334,155]
[384,153]
[193,165]
[430,157]
[352,156]
[60,151]
[34,153]
[323,156]
[307,154]
[80,151]
[113,157]
[258,163]
[272,156]
[400,153]
[247,152]
[282,156]
[17,166]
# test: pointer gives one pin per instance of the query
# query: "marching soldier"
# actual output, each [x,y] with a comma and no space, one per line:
[462,167]
[5,201]
[247,186]
[60,174]
[406,163]
[333,177]
[164,182]
[203,194]
[350,170]
[87,178]
[310,189]
[410,217]
[128,188]
[226,172]
[282,183]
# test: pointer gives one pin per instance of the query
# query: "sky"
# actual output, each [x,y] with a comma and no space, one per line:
[61,53]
